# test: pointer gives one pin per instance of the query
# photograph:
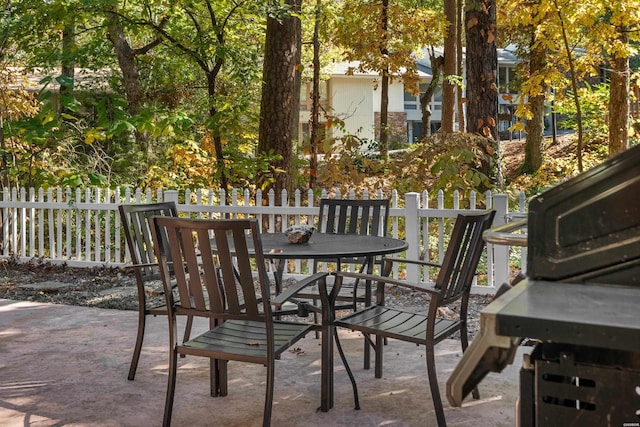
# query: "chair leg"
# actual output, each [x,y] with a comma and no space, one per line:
[187,331]
[222,377]
[464,340]
[379,357]
[367,303]
[433,383]
[354,386]
[315,318]
[214,384]
[138,347]
[218,377]
[171,387]
[268,399]
[366,353]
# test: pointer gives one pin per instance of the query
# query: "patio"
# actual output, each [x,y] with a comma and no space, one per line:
[67,365]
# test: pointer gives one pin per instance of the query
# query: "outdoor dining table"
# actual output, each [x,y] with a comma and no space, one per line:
[334,248]
[330,247]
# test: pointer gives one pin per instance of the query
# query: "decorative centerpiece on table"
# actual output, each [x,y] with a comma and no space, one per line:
[299,234]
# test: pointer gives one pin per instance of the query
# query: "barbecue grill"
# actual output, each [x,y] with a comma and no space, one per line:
[580,303]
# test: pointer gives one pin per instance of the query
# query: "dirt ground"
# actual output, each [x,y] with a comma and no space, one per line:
[115,288]
[512,153]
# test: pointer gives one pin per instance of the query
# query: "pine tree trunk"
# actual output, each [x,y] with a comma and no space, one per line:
[482,72]
[482,67]
[278,105]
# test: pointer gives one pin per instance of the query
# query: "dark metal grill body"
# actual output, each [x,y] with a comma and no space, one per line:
[580,302]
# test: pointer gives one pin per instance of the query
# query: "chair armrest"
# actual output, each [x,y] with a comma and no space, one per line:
[290,292]
[131,266]
[413,261]
[388,280]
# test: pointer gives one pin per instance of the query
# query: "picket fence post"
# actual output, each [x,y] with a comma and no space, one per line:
[171,196]
[412,234]
[500,252]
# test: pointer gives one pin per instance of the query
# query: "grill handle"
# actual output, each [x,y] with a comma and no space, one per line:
[505,234]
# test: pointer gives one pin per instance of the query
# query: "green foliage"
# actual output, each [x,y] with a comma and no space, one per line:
[594,104]
[445,162]
[410,27]
[347,163]
[192,165]
[557,168]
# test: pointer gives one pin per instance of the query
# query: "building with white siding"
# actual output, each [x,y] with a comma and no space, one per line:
[354,99]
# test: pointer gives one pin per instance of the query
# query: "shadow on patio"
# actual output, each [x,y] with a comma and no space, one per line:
[67,365]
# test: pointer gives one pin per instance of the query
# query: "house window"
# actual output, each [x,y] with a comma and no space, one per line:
[507,79]
[306,88]
[436,102]
[414,130]
[412,102]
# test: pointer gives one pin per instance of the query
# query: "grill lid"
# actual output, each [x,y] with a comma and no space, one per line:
[587,229]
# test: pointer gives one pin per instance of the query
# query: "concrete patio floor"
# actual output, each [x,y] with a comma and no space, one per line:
[67,366]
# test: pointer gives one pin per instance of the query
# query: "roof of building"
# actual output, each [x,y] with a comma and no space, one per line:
[343,68]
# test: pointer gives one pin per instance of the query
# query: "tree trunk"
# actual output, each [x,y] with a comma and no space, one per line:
[68,49]
[482,72]
[297,85]
[535,125]
[384,95]
[425,100]
[482,68]
[126,60]
[4,36]
[574,83]
[277,108]
[384,116]
[459,62]
[450,55]
[619,99]
[221,169]
[315,101]
[130,75]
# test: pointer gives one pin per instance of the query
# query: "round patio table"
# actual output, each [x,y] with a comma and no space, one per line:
[330,246]
[334,247]
[326,246]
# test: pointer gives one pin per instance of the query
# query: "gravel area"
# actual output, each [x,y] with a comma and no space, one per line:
[115,288]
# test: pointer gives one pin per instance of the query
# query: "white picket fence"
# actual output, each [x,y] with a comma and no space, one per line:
[82,227]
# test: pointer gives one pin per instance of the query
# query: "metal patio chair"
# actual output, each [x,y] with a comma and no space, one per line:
[427,328]
[350,216]
[143,261]
[220,285]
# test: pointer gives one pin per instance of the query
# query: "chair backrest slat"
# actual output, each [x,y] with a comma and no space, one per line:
[222,271]
[349,216]
[135,220]
[463,254]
